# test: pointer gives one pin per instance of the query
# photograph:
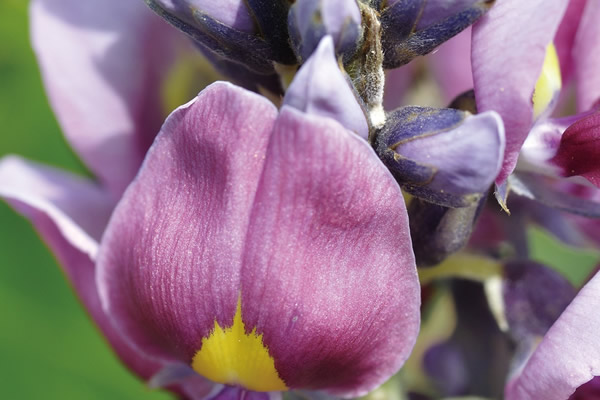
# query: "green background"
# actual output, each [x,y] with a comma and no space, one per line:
[49,349]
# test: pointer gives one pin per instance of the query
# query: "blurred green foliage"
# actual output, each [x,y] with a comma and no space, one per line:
[49,348]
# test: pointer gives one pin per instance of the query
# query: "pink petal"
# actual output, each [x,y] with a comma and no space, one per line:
[328,272]
[569,354]
[102,63]
[170,259]
[565,37]
[508,50]
[311,230]
[579,149]
[586,53]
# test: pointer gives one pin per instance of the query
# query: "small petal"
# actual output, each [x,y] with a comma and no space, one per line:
[427,151]
[514,34]
[102,64]
[579,149]
[321,88]
[569,354]
[311,20]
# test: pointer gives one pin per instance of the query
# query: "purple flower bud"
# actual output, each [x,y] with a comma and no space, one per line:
[310,20]
[445,156]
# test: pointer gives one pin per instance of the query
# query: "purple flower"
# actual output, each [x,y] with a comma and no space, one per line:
[279,230]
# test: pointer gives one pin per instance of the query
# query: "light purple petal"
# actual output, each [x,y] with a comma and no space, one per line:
[233,13]
[170,259]
[102,63]
[508,50]
[320,88]
[586,55]
[569,354]
[335,259]
[451,65]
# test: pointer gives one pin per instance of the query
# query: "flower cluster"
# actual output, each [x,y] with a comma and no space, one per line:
[303,230]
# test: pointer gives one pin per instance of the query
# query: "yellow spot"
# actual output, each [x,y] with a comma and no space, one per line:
[548,84]
[233,357]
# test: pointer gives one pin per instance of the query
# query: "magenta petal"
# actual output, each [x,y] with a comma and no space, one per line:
[586,54]
[579,149]
[329,274]
[170,259]
[569,354]
[70,215]
[102,62]
[565,37]
[508,50]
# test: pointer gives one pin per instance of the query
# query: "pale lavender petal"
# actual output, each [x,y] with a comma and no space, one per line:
[102,63]
[451,65]
[169,262]
[233,13]
[329,274]
[320,88]
[586,53]
[508,50]
[569,354]
[70,214]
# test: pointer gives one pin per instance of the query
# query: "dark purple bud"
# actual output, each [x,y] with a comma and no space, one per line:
[534,297]
[311,20]
[229,32]
[271,16]
[439,231]
[414,28]
[445,156]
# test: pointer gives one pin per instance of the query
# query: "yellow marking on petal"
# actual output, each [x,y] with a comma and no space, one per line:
[548,84]
[233,357]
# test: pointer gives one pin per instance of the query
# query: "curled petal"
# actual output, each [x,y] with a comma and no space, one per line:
[102,64]
[568,356]
[508,50]
[321,88]
[426,149]
[579,149]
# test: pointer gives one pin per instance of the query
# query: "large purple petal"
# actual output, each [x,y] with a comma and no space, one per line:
[569,354]
[586,53]
[321,256]
[102,63]
[329,274]
[170,259]
[508,50]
